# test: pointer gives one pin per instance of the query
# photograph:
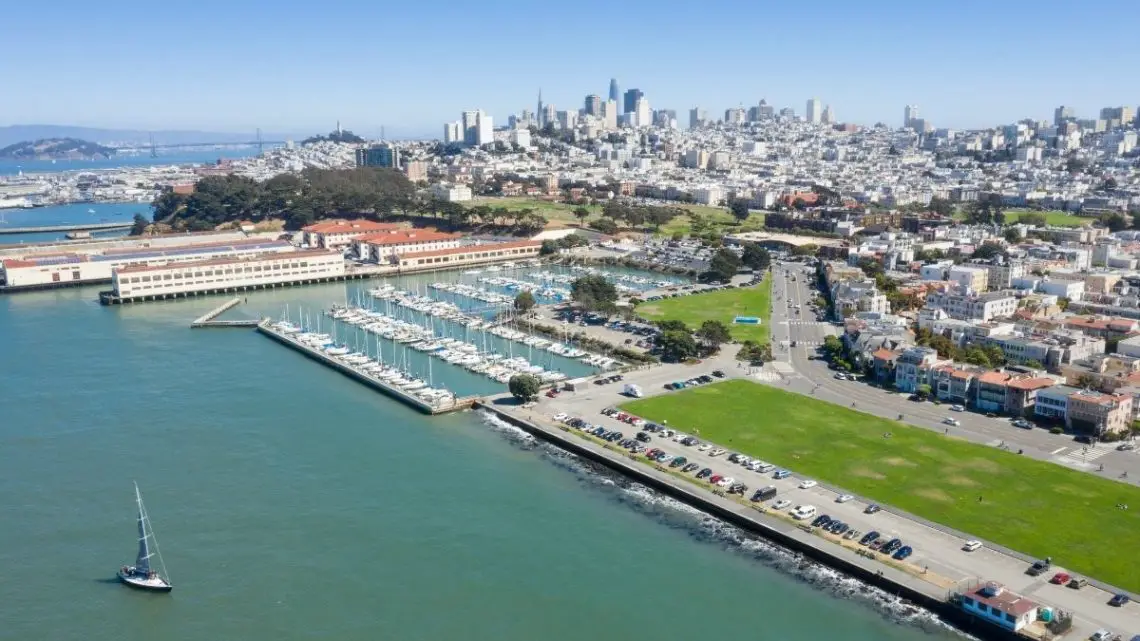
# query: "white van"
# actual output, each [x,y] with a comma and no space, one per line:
[803,512]
[632,390]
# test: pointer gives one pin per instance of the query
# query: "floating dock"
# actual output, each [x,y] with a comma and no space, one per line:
[443,407]
[207,319]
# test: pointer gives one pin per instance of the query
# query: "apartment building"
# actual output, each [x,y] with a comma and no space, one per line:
[967,277]
[1092,412]
[966,306]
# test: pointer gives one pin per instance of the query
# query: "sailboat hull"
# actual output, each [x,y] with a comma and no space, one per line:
[143,582]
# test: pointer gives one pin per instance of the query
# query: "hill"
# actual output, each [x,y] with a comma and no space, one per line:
[55,148]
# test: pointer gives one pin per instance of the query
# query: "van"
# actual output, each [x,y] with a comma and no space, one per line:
[766,492]
[803,512]
[632,390]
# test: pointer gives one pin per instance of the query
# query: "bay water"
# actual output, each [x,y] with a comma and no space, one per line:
[293,503]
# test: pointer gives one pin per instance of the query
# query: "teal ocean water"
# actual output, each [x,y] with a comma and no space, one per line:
[164,157]
[292,503]
[73,214]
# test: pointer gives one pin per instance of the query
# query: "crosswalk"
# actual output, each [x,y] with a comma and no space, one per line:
[1082,457]
[804,322]
[767,376]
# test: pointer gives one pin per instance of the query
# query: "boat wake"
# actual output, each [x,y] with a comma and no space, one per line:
[708,529]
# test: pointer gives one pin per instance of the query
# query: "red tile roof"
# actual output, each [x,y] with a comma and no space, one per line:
[472,249]
[1030,384]
[349,226]
[405,237]
[995,378]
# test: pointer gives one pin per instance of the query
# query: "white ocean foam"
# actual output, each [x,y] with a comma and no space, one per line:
[709,529]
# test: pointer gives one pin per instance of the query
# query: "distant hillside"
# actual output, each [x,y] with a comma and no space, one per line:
[341,135]
[121,137]
[55,148]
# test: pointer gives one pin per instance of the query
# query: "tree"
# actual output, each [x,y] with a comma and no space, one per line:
[1114,221]
[987,251]
[714,333]
[923,390]
[524,387]
[672,325]
[1011,235]
[605,225]
[1034,364]
[723,266]
[832,347]
[581,213]
[548,247]
[996,355]
[594,293]
[808,249]
[524,302]
[141,223]
[1087,381]
[1033,218]
[941,206]
[756,257]
[739,209]
[677,346]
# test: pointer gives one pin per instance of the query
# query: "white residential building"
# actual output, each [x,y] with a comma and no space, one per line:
[451,192]
[965,306]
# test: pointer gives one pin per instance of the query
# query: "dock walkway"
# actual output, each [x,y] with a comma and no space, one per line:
[454,405]
[207,319]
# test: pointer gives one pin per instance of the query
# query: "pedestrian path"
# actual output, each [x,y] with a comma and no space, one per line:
[782,367]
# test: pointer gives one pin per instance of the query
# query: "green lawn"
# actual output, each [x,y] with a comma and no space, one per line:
[1038,508]
[723,306]
[562,212]
[1057,218]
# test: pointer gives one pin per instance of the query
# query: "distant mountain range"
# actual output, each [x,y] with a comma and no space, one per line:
[19,133]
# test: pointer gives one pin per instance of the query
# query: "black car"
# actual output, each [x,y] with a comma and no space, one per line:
[737,488]
[840,528]
[872,508]
[689,468]
[821,520]
[1040,567]
[718,373]
[643,437]
[891,546]
[705,473]
[868,538]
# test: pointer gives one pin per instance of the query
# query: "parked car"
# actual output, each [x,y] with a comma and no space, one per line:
[843,498]
[872,508]
[868,538]
[1040,567]
[903,552]
[781,474]
[716,451]
[1077,583]
[951,421]
[643,437]
[807,484]
[957,408]
[781,504]
[851,534]
[1119,600]
[705,473]
[1060,578]
[970,546]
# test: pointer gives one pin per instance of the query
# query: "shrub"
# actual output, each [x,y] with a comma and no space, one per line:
[1056,430]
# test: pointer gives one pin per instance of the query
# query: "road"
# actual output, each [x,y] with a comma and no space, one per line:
[798,374]
[936,549]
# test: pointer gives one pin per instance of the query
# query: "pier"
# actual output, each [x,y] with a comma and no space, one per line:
[207,319]
[453,405]
[62,228]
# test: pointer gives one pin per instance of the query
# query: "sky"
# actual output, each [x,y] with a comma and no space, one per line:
[292,66]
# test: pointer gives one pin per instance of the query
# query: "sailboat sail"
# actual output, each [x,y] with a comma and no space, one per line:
[142,564]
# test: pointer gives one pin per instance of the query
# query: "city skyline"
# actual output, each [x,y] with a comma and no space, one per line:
[288,77]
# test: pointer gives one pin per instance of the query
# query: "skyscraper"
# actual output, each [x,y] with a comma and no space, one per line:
[538,114]
[642,116]
[910,114]
[615,92]
[814,110]
[828,117]
[484,130]
[631,98]
[452,132]
[470,122]
[697,117]
[610,115]
[593,105]
[1061,114]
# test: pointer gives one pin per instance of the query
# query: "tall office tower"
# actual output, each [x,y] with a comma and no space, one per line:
[631,98]
[642,116]
[814,110]
[470,122]
[910,114]
[697,117]
[1062,114]
[538,114]
[549,115]
[593,105]
[734,116]
[610,114]
[382,155]
[452,132]
[828,117]
[615,92]
[765,110]
[484,130]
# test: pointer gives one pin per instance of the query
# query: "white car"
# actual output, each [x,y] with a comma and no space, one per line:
[957,408]
[678,437]
[781,504]
[951,421]
[843,498]
[744,460]
[725,482]
[970,546]
[716,452]
[808,484]
[560,417]
[704,447]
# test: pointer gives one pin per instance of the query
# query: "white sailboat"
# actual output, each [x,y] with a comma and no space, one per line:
[141,575]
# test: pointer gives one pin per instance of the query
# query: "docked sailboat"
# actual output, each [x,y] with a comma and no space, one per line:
[141,575]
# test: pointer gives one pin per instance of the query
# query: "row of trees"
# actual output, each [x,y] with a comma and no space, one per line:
[981,355]
[635,215]
[678,342]
[315,194]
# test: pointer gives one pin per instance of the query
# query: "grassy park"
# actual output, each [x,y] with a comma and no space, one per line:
[1038,508]
[721,305]
[564,213]
[1055,218]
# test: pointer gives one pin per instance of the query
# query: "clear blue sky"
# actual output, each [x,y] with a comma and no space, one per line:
[299,66]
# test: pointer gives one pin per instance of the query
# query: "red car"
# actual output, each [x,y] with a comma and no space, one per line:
[622,416]
[1060,578]
[715,478]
